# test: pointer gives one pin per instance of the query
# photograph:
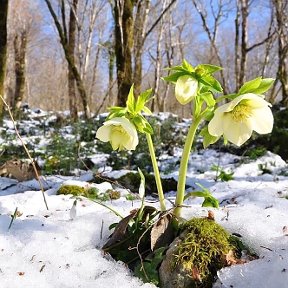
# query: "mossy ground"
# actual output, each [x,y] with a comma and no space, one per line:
[204,250]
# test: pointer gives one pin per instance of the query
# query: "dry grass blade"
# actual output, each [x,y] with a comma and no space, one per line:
[27,152]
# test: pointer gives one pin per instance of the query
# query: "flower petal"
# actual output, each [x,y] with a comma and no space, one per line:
[262,120]
[103,133]
[215,126]
[236,132]
[185,89]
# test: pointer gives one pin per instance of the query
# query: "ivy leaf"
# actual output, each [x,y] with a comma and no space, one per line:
[130,103]
[250,86]
[210,81]
[208,68]
[264,86]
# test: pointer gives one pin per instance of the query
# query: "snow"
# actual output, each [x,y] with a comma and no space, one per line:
[49,249]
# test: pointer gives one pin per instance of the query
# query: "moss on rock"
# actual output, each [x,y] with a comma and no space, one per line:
[195,256]
[71,189]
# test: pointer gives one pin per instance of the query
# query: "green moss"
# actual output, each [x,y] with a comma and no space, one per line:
[71,189]
[203,248]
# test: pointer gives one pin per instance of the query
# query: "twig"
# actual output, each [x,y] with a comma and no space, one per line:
[26,150]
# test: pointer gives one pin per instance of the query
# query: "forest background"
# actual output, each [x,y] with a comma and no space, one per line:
[83,55]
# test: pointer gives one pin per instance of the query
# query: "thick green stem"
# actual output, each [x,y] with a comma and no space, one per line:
[184,166]
[156,172]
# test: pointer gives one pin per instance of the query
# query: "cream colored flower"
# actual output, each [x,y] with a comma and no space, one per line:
[186,89]
[236,120]
[120,132]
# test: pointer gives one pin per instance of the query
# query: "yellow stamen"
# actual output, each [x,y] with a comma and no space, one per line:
[241,112]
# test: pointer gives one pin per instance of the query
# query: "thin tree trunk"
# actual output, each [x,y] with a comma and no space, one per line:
[3,47]
[20,45]
[282,33]
[244,39]
[123,13]
[71,62]
[139,34]
[71,51]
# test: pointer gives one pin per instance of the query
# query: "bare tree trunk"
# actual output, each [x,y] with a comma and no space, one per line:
[282,34]
[3,47]
[71,61]
[71,51]
[20,46]
[212,35]
[244,39]
[236,44]
[140,24]
[123,13]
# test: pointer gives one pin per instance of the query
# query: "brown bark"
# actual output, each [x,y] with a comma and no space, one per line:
[3,47]
[244,39]
[71,51]
[143,8]
[71,62]
[123,13]
[282,34]
[20,47]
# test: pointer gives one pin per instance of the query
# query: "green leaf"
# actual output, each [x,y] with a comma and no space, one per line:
[210,202]
[148,128]
[208,98]
[130,103]
[174,77]
[250,86]
[143,98]
[264,86]
[208,68]
[208,139]
[187,66]
[211,82]
[147,110]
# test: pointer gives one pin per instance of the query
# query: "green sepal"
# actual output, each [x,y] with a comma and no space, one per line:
[208,139]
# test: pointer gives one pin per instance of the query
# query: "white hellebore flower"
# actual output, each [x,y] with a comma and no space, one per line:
[237,119]
[186,89]
[121,133]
